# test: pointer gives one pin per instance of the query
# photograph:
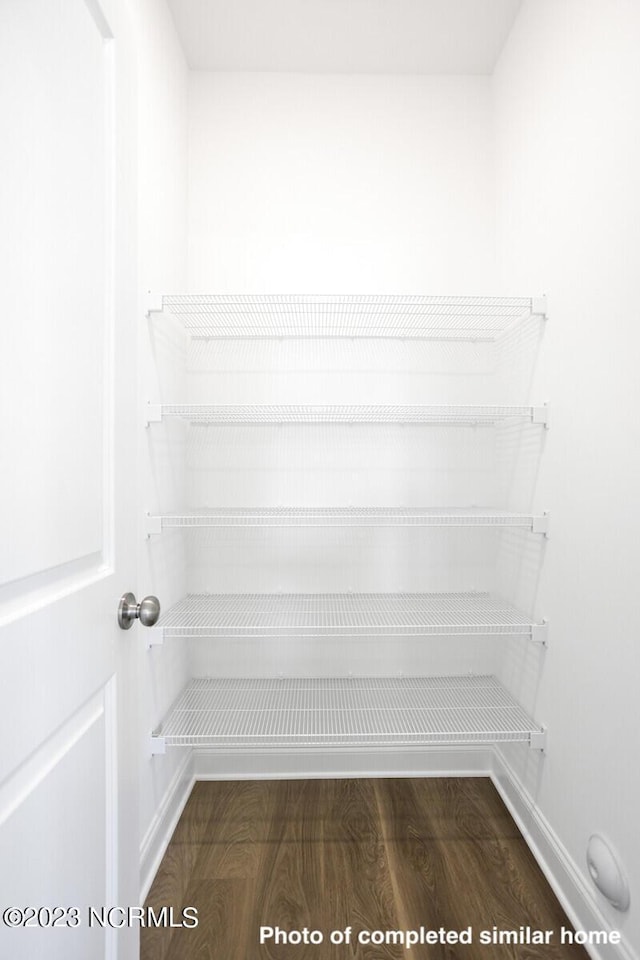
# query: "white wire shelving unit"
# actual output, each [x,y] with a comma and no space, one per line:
[445,414]
[268,714]
[356,615]
[347,316]
[354,712]
[304,517]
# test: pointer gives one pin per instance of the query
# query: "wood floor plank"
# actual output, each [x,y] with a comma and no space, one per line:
[396,854]
[222,929]
[497,882]
[446,808]
[290,891]
[409,832]
[357,881]
[445,876]
[240,819]
[174,875]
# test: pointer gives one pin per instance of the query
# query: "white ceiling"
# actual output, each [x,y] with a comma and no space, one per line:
[344,36]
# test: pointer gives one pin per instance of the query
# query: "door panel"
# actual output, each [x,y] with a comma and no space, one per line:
[67,503]
[57,295]
[50,831]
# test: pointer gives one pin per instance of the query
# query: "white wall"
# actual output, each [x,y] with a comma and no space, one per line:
[567,121]
[341,184]
[336,183]
[162,210]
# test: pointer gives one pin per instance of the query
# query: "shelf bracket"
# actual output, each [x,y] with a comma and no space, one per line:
[538,739]
[154,303]
[539,525]
[153,525]
[539,306]
[158,745]
[541,415]
[154,413]
[154,636]
[540,633]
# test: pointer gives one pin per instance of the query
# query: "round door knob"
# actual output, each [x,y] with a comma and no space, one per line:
[147,611]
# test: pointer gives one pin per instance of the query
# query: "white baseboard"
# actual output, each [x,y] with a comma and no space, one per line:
[156,840]
[575,895]
[301,764]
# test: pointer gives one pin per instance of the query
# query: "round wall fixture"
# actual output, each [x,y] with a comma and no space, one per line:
[607,873]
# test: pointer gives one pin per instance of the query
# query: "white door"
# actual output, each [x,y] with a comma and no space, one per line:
[68,832]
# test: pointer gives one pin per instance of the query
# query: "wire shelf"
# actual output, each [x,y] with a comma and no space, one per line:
[347,517]
[349,413]
[264,615]
[346,316]
[346,712]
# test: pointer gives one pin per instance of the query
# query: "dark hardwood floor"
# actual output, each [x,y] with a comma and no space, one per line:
[378,855]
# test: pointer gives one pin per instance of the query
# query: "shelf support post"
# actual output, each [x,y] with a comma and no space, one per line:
[541,524]
[538,739]
[154,413]
[540,632]
[153,525]
[541,415]
[158,745]
[154,636]
[539,306]
[153,303]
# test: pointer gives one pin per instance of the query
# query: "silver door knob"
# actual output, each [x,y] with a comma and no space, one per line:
[147,611]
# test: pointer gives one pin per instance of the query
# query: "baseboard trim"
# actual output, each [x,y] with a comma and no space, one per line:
[156,840]
[565,879]
[301,764]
